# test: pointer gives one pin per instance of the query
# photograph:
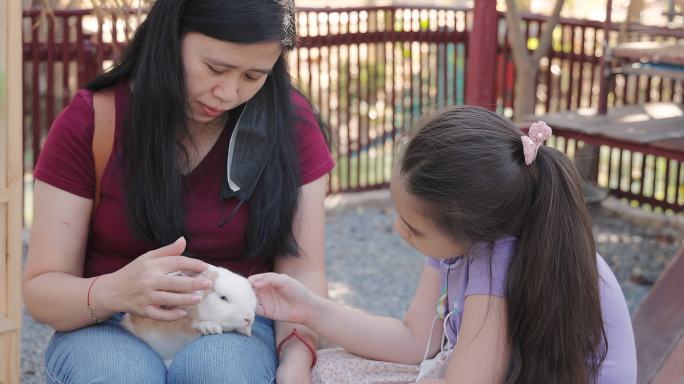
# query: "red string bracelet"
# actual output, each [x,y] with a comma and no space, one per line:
[296,334]
[90,309]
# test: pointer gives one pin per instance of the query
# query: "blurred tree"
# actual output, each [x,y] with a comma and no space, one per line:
[633,16]
[526,62]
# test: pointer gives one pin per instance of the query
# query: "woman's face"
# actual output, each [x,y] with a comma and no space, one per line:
[221,75]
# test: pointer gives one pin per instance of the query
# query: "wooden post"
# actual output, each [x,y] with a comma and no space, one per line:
[604,81]
[587,157]
[658,325]
[11,181]
[482,46]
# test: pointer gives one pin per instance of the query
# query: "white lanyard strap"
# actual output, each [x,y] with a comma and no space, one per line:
[444,335]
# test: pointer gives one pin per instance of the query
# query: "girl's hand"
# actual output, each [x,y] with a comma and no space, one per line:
[282,298]
[145,287]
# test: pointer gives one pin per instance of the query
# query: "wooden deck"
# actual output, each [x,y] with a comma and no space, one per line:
[650,51]
[654,128]
[659,326]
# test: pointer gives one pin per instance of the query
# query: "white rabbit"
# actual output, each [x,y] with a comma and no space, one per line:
[227,306]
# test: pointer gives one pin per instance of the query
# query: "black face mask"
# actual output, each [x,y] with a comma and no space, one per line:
[251,146]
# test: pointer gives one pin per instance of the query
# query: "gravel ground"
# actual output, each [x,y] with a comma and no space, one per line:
[369,267]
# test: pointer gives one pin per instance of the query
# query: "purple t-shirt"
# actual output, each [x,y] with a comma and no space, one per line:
[474,274]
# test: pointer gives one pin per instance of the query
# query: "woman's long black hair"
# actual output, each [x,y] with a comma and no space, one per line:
[467,165]
[156,118]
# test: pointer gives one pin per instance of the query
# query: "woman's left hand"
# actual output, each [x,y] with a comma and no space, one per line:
[294,367]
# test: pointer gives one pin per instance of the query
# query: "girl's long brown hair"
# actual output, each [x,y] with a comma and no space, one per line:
[467,165]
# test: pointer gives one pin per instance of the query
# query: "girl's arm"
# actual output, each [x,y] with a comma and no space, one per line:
[370,336]
[54,289]
[385,338]
[481,354]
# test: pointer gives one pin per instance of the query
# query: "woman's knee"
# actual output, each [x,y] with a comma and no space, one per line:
[103,353]
[227,358]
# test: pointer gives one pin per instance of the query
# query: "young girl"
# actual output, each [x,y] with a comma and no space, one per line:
[511,267]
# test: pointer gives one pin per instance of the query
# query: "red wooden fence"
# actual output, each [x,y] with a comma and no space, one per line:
[371,71]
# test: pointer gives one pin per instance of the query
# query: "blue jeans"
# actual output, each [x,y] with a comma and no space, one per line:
[107,353]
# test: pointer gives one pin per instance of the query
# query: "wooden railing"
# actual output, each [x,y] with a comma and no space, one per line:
[370,71]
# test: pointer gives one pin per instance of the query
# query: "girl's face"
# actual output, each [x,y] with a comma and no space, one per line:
[221,75]
[416,229]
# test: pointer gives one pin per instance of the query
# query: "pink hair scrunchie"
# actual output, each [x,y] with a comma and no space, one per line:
[536,136]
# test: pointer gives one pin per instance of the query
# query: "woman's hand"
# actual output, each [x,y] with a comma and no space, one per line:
[283,298]
[145,287]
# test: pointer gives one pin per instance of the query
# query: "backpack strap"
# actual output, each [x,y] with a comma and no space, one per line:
[103,135]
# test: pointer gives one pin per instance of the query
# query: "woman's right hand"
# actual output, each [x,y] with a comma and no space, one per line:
[145,286]
[283,298]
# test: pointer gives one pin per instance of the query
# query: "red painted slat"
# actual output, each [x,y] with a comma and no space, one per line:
[88,53]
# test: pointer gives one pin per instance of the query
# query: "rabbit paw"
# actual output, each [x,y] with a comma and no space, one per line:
[247,331]
[208,327]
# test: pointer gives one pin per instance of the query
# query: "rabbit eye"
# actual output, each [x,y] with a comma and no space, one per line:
[225,299]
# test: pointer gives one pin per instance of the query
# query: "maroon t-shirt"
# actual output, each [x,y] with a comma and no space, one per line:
[66,162]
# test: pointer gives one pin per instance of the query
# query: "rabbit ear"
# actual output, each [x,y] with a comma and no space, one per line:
[183,273]
[210,273]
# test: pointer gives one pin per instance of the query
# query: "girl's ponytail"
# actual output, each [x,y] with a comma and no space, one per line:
[554,310]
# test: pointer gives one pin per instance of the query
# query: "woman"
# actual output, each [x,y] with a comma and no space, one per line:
[199,82]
